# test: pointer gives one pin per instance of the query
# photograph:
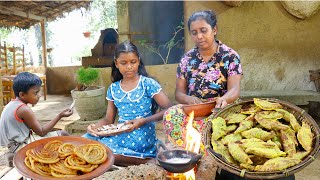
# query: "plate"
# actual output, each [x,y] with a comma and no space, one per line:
[112,129]
[18,159]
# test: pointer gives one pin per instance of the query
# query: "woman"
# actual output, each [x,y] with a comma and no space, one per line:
[210,71]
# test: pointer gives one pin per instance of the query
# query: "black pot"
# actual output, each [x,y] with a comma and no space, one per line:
[177,161]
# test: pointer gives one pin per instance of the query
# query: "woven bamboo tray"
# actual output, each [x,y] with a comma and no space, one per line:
[300,115]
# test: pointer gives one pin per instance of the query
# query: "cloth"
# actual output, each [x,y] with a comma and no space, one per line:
[14,147]
[175,121]
[136,103]
[12,128]
[209,80]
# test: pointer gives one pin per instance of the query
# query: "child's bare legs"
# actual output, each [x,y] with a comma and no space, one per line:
[120,160]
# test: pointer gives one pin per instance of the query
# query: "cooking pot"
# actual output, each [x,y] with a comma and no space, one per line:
[176,161]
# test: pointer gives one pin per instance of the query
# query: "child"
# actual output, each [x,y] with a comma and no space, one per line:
[134,96]
[18,120]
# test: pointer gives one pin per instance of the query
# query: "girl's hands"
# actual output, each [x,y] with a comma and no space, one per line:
[66,113]
[91,129]
[134,124]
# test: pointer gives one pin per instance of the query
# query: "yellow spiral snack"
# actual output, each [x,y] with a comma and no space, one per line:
[75,162]
[92,153]
[43,155]
[57,159]
[27,162]
[53,145]
[60,175]
[40,168]
[65,150]
[60,167]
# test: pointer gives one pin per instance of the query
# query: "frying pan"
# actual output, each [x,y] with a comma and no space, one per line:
[176,161]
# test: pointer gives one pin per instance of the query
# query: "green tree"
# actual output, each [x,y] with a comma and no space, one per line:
[101,15]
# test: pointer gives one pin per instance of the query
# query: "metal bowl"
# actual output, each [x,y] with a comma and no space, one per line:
[177,161]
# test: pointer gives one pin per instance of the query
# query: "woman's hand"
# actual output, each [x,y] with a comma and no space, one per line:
[221,103]
[193,100]
[91,129]
[134,124]
[66,113]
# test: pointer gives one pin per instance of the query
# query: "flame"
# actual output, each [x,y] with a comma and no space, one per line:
[193,139]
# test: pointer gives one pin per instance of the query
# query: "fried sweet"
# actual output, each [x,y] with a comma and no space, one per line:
[27,162]
[61,175]
[257,133]
[53,145]
[305,136]
[218,128]
[250,109]
[288,143]
[250,117]
[231,138]
[270,115]
[270,124]
[265,152]
[235,118]
[300,155]
[278,164]
[291,133]
[231,128]
[254,142]
[219,148]
[290,118]
[238,154]
[247,166]
[92,153]
[75,162]
[243,126]
[37,167]
[276,139]
[65,150]
[60,167]
[266,105]
[43,155]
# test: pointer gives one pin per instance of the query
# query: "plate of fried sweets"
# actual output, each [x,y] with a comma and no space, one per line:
[63,157]
[113,129]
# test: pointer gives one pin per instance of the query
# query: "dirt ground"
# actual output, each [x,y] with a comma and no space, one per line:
[47,110]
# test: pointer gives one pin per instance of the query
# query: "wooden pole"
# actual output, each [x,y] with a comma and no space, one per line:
[44,45]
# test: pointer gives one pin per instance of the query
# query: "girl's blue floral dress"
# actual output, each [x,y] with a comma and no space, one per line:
[131,105]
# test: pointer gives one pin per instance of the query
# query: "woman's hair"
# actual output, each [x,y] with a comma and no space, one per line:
[25,81]
[209,16]
[129,47]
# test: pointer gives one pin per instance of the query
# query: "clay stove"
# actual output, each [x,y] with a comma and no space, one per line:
[103,51]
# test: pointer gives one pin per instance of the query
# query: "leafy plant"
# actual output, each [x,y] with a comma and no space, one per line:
[86,77]
[168,46]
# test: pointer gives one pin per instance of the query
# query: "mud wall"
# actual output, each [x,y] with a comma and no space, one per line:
[61,80]
[277,49]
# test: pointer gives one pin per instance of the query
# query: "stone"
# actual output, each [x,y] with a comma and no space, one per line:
[301,9]
[233,3]
[141,172]
[207,168]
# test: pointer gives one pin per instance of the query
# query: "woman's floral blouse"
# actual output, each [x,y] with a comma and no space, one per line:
[209,80]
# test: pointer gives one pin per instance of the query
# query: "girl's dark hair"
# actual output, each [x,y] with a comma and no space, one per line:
[24,81]
[209,16]
[129,47]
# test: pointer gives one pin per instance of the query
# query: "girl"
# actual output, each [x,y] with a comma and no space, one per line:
[135,97]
